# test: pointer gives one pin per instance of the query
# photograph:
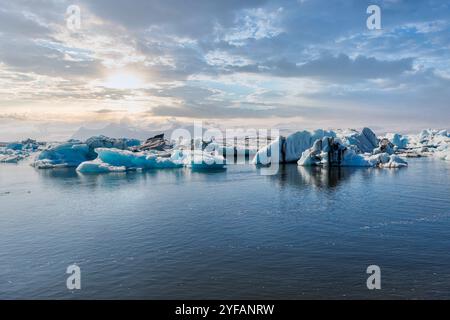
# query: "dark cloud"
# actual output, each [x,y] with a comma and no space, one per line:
[235,110]
[27,55]
[189,18]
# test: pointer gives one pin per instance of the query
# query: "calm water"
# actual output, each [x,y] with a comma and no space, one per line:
[231,234]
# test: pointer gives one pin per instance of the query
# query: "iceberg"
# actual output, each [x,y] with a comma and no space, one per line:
[394,161]
[291,148]
[445,155]
[155,143]
[362,142]
[385,146]
[68,154]
[116,160]
[132,160]
[398,140]
[432,138]
[428,142]
[11,157]
[97,166]
[74,152]
[332,152]
[16,151]
[14,146]
[200,160]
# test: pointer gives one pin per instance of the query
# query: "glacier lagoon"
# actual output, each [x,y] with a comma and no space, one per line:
[176,233]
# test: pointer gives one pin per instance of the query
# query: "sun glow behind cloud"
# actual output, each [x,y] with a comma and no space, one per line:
[123,80]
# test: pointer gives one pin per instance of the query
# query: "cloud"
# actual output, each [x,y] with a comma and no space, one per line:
[334,67]
[174,16]
[224,60]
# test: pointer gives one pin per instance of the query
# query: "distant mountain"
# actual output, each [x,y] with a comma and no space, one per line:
[115,130]
[123,130]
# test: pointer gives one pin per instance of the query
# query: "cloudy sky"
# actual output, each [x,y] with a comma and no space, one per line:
[302,64]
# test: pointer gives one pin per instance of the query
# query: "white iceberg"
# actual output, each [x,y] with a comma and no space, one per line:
[398,140]
[330,151]
[97,166]
[291,148]
[429,142]
[393,161]
[362,142]
[200,160]
[443,152]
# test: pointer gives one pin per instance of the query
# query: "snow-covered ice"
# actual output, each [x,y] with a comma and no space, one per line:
[331,151]
[398,140]
[97,166]
[200,160]
[362,142]
[291,148]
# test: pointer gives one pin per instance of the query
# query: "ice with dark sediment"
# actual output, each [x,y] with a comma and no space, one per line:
[331,151]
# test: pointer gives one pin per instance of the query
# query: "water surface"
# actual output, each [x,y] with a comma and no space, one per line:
[304,233]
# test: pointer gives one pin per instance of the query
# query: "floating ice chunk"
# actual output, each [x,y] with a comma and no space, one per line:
[14,146]
[17,151]
[97,166]
[11,158]
[110,160]
[443,152]
[143,160]
[69,154]
[362,142]
[330,151]
[394,162]
[291,148]
[430,137]
[429,142]
[200,160]
[74,152]
[398,140]
[385,146]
